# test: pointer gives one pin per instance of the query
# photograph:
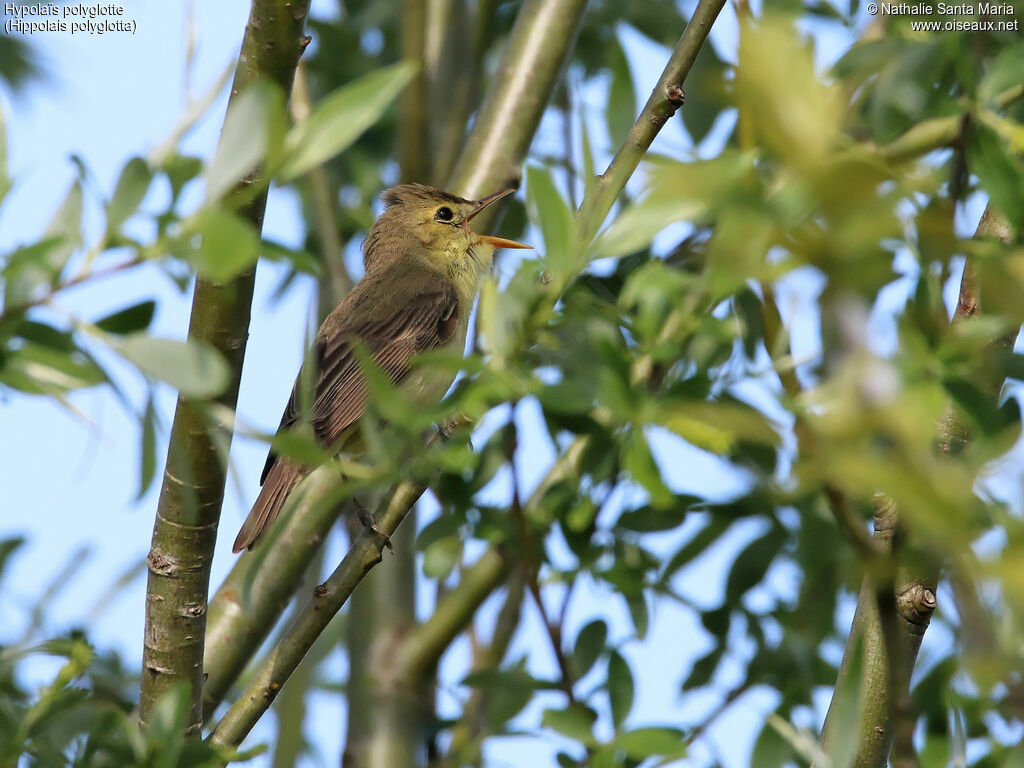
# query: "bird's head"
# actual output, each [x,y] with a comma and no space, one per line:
[439,223]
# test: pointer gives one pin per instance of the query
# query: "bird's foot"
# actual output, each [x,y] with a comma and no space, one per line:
[447,428]
[365,517]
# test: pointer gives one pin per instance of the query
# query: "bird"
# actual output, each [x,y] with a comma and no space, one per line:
[423,269]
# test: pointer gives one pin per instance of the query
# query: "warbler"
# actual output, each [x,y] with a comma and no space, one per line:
[424,267]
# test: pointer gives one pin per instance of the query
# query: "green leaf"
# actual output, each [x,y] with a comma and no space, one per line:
[752,563]
[45,335]
[639,463]
[678,192]
[147,464]
[441,556]
[130,320]
[193,367]
[576,722]
[692,549]
[38,369]
[301,260]
[555,220]
[128,194]
[66,224]
[647,742]
[620,688]
[443,526]
[180,170]
[1001,173]
[639,614]
[590,643]
[341,118]
[1006,71]
[228,244]
[29,268]
[589,174]
[647,519]
[703,669]
[8,547]
[508,691]
[620,112]
[253,132]
[5,174]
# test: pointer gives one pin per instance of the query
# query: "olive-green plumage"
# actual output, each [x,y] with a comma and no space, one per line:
[424,267]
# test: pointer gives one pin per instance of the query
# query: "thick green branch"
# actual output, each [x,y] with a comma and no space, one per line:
[537,50]
[665,99]
[193,485]
[422,648]
[414,147]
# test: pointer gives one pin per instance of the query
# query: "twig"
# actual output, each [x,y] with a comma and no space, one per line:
[79,279]
[531,569]
[666,98]
[707,722]
[326,601]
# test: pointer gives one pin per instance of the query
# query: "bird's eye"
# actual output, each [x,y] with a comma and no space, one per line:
[444,213]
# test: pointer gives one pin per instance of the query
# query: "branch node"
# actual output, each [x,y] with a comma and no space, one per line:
[193,610]
[161,565]
[675,94]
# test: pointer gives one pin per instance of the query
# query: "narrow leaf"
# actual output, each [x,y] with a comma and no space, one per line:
[195,369]
[130,320]
[341,118]
[128,194]
[620,688]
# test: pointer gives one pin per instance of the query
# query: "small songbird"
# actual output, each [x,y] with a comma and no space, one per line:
[424,267]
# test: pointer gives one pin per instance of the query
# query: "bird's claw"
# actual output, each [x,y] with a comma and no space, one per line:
[447,428]
[365,517]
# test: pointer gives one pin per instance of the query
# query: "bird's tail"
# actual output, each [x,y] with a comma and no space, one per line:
[279,482]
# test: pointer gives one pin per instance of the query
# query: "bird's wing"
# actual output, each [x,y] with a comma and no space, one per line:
[392,329]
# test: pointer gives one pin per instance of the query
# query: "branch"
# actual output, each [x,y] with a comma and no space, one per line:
[537,49]
[666,98]
[262,583]
[327,600]
[488,656]
[895,604]
[193,485]
[423,647]
[414,146]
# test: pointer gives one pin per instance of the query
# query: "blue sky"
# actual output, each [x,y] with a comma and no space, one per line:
[71,483]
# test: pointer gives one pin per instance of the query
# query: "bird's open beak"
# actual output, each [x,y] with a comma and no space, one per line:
[497,242]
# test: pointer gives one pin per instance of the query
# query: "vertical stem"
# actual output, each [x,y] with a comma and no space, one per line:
[188,510]
[892,638]
[385,721]
[414,146]
[537,50]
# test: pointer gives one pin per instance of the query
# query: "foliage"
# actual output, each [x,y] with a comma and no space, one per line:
[627,355]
